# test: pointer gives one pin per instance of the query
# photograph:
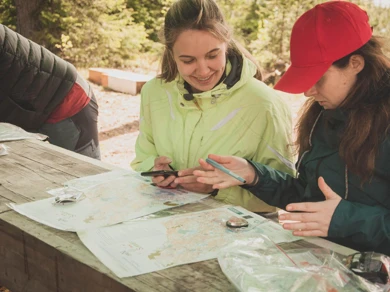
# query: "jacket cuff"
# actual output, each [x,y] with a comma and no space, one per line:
[145,165]
[349,218]
[337,223]
[258,174]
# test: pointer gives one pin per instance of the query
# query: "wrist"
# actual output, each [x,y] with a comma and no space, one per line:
[254,177]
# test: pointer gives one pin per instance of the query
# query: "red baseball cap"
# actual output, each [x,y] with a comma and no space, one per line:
[321,36]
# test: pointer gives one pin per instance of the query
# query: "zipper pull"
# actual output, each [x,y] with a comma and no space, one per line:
[214,99]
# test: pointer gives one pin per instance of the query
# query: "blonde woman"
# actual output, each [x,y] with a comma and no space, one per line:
[208,100]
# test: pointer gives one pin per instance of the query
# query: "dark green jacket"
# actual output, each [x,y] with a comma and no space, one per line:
[33,81]
[362,220]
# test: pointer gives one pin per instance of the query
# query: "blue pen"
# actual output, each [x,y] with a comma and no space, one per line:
[225,170]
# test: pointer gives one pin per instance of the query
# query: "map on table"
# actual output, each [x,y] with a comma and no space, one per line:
[109,198]
[135,248]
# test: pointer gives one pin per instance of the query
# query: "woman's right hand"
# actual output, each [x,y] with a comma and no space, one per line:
[162,163]
[220,180]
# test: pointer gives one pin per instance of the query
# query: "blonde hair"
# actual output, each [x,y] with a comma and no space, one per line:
[202,15]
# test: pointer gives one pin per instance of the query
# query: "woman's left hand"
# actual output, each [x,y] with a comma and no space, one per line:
[188,181]
[315,217]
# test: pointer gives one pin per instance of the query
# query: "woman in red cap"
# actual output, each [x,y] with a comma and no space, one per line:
[342,190]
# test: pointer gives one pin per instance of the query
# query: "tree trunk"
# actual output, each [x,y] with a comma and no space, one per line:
[27,16]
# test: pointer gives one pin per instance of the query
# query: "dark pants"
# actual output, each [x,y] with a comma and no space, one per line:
[78,133]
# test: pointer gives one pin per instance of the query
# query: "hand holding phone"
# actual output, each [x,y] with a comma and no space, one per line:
[164,173]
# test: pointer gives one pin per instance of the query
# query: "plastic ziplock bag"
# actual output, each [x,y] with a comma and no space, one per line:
[9,132]
[258,264]
[3,149]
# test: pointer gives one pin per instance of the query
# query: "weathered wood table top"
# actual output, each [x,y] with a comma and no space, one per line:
[35,257]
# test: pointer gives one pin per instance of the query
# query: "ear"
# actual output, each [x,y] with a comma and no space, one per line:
[356,63]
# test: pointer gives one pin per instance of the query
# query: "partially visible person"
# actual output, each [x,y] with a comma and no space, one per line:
[41,92]
[342,191]
[207,99]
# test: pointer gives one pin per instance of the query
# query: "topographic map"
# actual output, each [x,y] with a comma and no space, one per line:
[107,199]
[135,248]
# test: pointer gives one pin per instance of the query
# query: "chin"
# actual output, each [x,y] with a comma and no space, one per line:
[205,86]
[200,88]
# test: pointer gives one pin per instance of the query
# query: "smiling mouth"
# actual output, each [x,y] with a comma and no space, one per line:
[203,79]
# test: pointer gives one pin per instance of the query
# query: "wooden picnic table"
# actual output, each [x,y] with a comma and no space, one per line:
[35,257]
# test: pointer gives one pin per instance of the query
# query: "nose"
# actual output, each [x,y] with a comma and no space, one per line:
[202,69]
[311,91]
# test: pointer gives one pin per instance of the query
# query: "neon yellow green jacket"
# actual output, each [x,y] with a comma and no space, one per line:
[249,120]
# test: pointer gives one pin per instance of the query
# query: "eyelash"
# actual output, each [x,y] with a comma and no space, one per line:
[210,57]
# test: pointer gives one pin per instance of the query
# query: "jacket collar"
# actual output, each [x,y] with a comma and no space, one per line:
[335,117]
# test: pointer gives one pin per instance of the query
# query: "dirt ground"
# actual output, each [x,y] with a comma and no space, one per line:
[118,123]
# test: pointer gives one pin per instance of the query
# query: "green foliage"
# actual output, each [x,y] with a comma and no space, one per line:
[105,36]
[249,26]
[52,26]
[276,20]
[124,33]
[100,33]
[8,13]
[150,14]
[379,20]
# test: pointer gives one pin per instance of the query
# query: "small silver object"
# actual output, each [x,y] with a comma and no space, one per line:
[68,198]
[236,222]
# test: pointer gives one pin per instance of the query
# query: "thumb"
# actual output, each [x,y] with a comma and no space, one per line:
[205,165]
[220,158]
[326,190]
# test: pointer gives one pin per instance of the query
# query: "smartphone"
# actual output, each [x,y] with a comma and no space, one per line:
[164,173]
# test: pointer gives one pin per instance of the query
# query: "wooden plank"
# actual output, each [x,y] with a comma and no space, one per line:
[17,178]
[35,167]
[201,276]
[7,196]
[68,155]
[43,155]
[28,259]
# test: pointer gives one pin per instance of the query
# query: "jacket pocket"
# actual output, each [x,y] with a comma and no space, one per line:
[13,113]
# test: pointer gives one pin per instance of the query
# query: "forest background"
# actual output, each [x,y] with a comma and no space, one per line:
[123,34]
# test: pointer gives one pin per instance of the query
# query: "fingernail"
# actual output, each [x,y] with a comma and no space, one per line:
[289,208]
[282,217]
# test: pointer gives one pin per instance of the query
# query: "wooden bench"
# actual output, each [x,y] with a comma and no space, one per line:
[118,80]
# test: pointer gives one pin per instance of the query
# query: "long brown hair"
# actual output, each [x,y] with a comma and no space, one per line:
[367,106]
[197,15]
